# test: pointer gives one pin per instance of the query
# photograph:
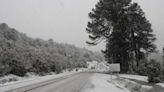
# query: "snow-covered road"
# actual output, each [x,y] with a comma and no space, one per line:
[84,82]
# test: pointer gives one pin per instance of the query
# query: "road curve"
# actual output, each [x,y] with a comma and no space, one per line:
[75,83]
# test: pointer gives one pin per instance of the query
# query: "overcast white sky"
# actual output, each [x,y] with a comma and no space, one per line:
[65,20]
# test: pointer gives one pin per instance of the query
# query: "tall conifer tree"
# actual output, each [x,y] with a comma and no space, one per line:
[125,29]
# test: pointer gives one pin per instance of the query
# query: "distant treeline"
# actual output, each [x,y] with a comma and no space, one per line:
[20,54]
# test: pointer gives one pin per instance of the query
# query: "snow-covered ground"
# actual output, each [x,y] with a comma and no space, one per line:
[104,83]
[140,78]
[32,80]
[121,83]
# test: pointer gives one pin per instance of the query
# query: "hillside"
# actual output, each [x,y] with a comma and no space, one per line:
[21,54]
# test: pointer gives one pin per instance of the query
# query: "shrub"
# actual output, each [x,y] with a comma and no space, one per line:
[53,67]
[153,79]
[17,68]
[58,68]
[40,67]
[153,71]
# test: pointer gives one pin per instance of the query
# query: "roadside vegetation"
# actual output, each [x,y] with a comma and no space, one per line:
[20,54]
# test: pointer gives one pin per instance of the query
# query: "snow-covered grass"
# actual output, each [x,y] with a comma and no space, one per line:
[31,79]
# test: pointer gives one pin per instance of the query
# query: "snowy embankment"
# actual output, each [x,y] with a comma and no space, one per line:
[32,80]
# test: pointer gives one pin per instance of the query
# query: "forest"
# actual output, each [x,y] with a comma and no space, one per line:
[21,54]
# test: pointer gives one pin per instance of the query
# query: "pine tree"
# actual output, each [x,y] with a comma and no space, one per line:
[125,29]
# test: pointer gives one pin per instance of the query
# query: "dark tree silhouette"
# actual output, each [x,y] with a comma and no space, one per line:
[125,29]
